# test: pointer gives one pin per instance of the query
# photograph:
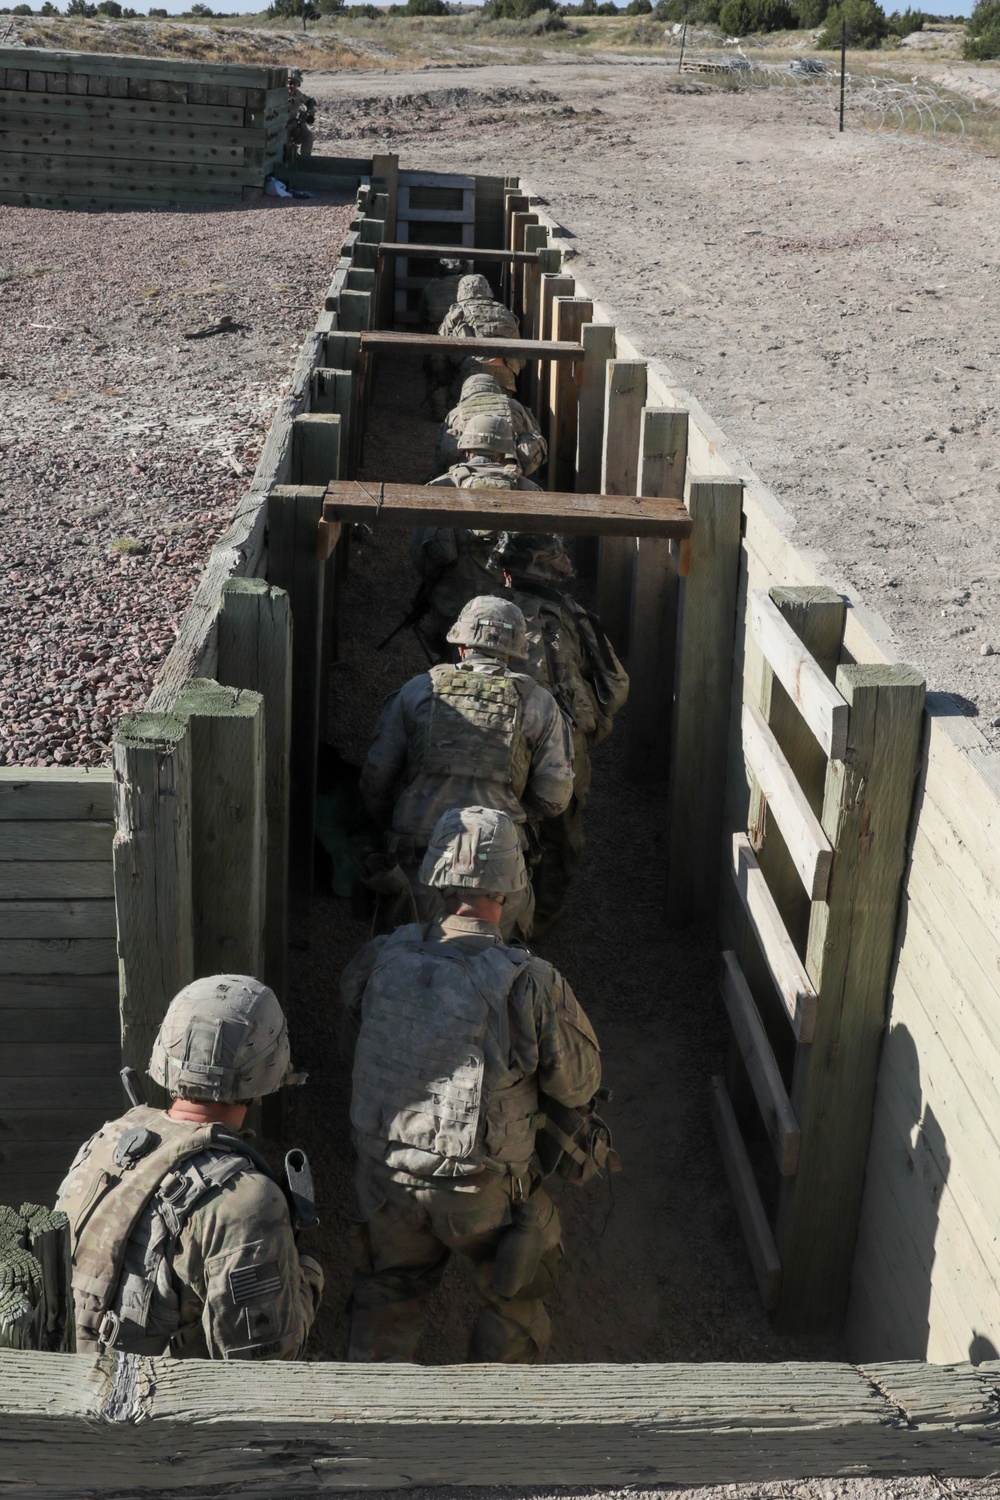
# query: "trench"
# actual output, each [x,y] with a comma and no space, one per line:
[655,1267]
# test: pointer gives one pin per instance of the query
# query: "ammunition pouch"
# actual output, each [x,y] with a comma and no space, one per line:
[574,1143]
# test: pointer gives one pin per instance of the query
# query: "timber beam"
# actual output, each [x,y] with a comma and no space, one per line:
[70,1425]
[513,510]
[373,340]
[457,252]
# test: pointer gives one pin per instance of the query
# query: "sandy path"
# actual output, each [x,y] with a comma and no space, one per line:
[832,300]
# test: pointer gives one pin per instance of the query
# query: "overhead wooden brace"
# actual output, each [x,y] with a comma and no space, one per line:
[514,510]
[378,338]
[457,252]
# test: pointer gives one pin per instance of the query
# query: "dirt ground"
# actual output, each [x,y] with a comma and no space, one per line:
[830,299]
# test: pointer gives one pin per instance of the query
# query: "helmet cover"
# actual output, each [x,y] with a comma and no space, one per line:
[223,1038]
[475,848]
[493,626]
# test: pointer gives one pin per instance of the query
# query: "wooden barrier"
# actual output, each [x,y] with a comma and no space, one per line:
[625,397]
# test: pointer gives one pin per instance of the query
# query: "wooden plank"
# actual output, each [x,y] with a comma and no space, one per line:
[749,1208]
[20,107]
[514,270]
[58,956]
[316,447]
[794,986]
[51,839]
[521,510]
[866,809]
[77,1060]
[598,341]
[340,350]
[115,65]
[61,879]
[655,587]
[97,1089]
[59,792]
[625,397]
[48,1124]
[702,702]
[146,141]
[539,375]
[153,874]
[21,1158]
[228,826]
[35,1186]
[801,830]
[255,651]
[569,315]
[535,244]
[120,202]
[57,991]
[818,701]
[57,919]
[758,1058]
[39,174]
[70,1023]
[376,339]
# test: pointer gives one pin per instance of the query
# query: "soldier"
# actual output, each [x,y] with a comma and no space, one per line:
[454,1036]
[476,313]
[301,114]
[475,732]
[438,295]
[570,654]
[488,457]
[182,1238]
[483,396]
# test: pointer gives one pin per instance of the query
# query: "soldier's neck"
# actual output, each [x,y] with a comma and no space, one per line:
[481,907]
[206,1112]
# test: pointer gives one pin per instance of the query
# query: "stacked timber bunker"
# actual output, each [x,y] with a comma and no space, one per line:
[857,923]
[85,130]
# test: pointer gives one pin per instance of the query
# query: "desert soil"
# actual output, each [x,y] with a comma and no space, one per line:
[830,299]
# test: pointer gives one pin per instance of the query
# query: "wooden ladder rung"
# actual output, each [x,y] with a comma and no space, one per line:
[807,844]
[746,1195]
[803,679]
[758,1058]
[786,968]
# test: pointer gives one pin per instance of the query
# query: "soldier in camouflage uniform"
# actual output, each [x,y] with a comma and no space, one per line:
[476,313]
[301,114]
[454,1035]
[482,396]
[478,732]
[439,295]
[570,654]
[181,1237]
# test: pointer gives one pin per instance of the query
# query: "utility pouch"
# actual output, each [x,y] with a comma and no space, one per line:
[520,1248]
[575,1143]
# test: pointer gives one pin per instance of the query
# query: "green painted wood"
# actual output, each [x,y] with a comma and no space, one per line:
[58,792]
[57,919]
[46,879]
[19,106]
[51,839]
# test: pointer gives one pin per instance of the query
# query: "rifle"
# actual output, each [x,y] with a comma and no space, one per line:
[419,605]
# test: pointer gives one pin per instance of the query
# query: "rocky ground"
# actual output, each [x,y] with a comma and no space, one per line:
[126,438]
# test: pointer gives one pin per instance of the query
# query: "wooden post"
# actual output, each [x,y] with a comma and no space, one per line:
[152,873]
[655,589]
[513,203]
[293,517]
[354,310]
[569,315]
[518,224]
[702,700]
[536,238]
[624,399]
[852,936]
[598,341]
[228,828]
[550,288]
[386,166]
[316,447]
[255,651]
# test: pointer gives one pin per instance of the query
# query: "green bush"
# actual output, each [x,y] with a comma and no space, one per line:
[811,12]
[740,17]
[902,23]
[639,8]
[81,8]
[866,24]
[515,10]
[426,8]
[982,32]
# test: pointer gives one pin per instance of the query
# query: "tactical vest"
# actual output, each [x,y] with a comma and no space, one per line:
[143,1159]
[425,1084]
[531,446]
[486,319]
[487,476]
[556,660]
[474,727]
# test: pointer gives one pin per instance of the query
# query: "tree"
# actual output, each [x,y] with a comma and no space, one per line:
[338,7]
[982,31]
[515,10]
[289,10]
[639,8]
[426,8]
[48,9]
[201,10]
[740,17]
[81,8]
[111,9]
[865,21]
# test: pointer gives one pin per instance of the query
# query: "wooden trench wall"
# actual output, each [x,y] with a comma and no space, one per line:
[213,786]
[91,130]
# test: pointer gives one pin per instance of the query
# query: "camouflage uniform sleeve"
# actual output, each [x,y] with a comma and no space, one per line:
[238,1259]
[550,780]
[453,323]
[569,1057]
[433,547]
[532,448]
[385,761]
[352,989]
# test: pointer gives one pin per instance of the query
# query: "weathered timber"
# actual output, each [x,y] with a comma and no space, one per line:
[414,250]
[51,839]
[654,590]
[538,376]
[19,107]
[125,65]
[801,830]
[377,339]
[55,880]
[57,792]
[153,873]
[619,515]
[743,1186]
[625,397]
[57,919]
[294,1428]
[255,651]
[758,1058]
[228,825]
[817,700]
[514,270]
[316,448]
[701,709]
[569,315]
[58,956]
[866,809]
[536,238]
[599,346]
[794,986]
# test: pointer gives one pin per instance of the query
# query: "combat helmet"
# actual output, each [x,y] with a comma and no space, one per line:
[532,556]
[475,848]
[482,383]
[493,626]
[473,288]
[295,75]
[223,1038]
[487,433]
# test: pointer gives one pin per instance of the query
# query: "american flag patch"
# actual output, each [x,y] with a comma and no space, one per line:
[248,1282]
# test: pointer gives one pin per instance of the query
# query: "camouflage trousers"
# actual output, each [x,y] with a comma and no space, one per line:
[561,845]
[407,1234]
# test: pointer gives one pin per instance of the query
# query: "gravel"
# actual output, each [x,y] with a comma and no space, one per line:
[124,446]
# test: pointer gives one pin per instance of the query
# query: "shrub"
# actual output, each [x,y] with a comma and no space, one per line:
[639,8]
[157,12]
[21,10]
[866,24]
[607,9]
[515,10]
[811,12]
[111,9]
[739,17]
[426,8]
[982,31]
